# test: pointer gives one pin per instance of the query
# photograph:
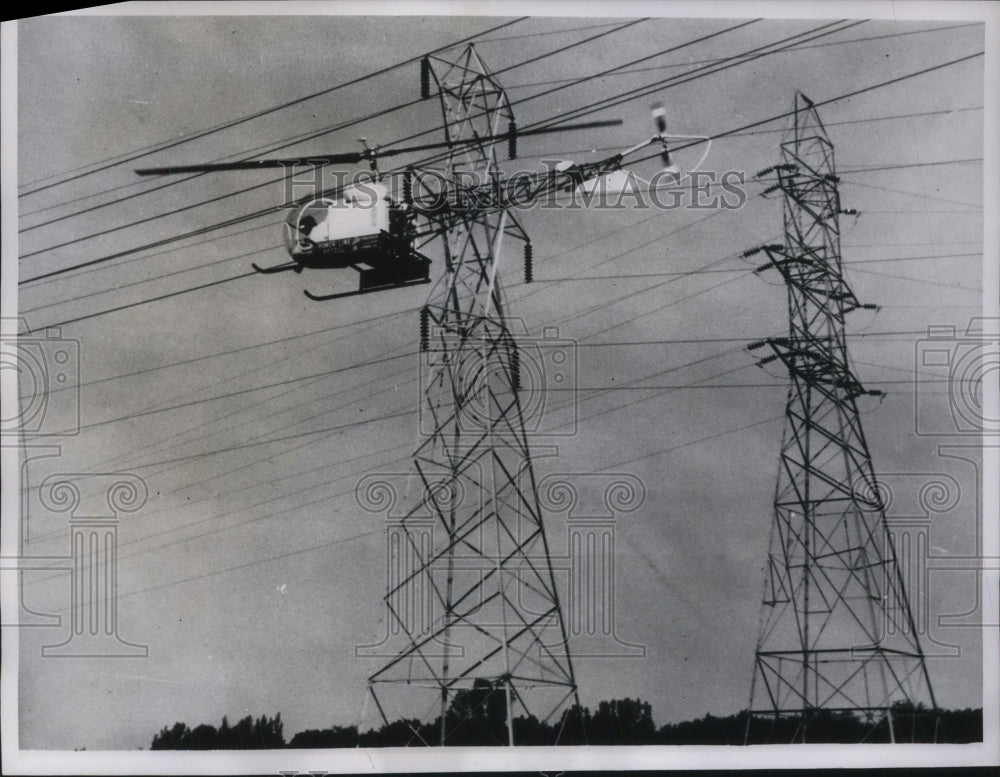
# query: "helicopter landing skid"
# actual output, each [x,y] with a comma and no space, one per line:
[324,297]
[277,268]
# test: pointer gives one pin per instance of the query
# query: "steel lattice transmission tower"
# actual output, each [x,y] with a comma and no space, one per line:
[493,646]
[837,647]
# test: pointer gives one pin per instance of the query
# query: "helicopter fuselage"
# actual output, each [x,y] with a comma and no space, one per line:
[363,225]
[364,230]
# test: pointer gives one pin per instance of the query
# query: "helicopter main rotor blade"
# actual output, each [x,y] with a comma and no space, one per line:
[502,136]
[255,164]
[359,156]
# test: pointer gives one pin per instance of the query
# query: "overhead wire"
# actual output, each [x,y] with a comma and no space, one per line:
[522,100]
[169,144]
[244,508]
[250,216]
[695,271]
[830,100]
[244,190]
[802,48]
[891,81]
[295,140]
[570,317]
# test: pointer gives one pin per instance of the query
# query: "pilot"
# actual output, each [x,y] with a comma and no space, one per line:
[306,225]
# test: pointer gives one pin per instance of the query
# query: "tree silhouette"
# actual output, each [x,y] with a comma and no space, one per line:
[264,733]
[477,716]
[622,722]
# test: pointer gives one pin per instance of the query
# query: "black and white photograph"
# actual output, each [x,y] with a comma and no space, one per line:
[500,386]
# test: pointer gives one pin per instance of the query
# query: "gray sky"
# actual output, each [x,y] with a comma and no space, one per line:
[233,573]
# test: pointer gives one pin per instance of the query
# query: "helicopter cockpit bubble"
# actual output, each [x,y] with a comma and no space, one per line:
[356,217]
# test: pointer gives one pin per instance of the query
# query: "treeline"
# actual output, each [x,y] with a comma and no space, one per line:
[478,717]
[261,734]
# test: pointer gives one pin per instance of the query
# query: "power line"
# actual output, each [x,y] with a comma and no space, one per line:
[680,386]
[828,101]
[147,219]
[241,392]
[661,388]
[153,279]
[338,541]
[155,244]
[698,74]
[753,124]
[154,299]
[596,389]
[945,111]
[289,554]
[241,349]
[797,48]
[740,59]
[742,338]
[240,509]
[327,497]
[244,466]
[899,166]
[939,284]
[260,213]
[626,276]
[160,443]
[545,32]
[735,60]
[913,194]
[163,146]
[569,251]
[569,318]
[294,140]
[261,185]
[114,265]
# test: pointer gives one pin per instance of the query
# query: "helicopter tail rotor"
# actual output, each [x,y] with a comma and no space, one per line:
[660,117]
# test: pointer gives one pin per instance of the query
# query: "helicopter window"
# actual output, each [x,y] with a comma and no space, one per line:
[306,225]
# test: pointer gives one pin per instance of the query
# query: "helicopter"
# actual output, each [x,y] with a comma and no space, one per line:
[362,227]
